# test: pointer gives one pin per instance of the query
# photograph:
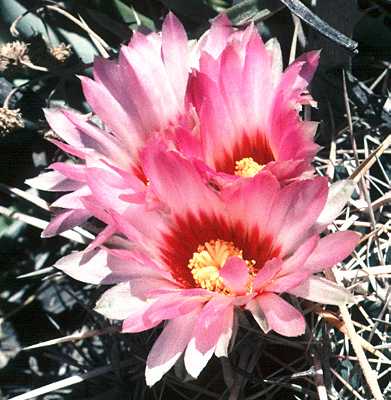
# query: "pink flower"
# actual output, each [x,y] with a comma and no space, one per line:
[140,97]
[238,114]
[248,108]
[166,166]
[204,253]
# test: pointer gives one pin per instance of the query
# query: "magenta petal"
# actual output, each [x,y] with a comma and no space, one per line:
[235,274]
[169,346]
[281,316]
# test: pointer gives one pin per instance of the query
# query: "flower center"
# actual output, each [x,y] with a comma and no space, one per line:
[209,259]
[247,167]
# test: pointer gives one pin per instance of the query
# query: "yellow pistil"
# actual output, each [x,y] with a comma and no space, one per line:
[207,261]
[247,167]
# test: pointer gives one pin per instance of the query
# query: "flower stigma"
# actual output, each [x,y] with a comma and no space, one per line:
[247,167]
[209,259]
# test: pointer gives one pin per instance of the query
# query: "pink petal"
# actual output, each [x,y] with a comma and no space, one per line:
[210,324]
[100,267]
[274,49]
[207,331]
[235,274]
[63,127]
[73,199]
[102,237]
[99,140]
[214,119]
[311,61]
[266,274]
[296,261]
[145,58]
[91,268]
[287,170]
[135,322]
[281,316]
[331,249]
[295,211]
[250,201]
[322,291]
[174,48]
[109,110]
[257,79]
[169,346]
[112,76]
[53,181]
[188,144]
[172,306]
[214,40]
[231,89]
[74,151]
[64,221]
[75,172]
[107,187]
[177,182]
[228,333]
[147,287]
[292,272]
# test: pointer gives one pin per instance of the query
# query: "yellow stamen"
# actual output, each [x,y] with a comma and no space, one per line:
[209,258]
[247,167]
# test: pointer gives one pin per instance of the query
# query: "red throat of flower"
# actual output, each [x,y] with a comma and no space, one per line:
[196,249]
[247,157]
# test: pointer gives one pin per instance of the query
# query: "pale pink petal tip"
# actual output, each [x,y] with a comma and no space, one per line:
[195,360]
[118,303]
[339,194]
[322,291]
[169,347]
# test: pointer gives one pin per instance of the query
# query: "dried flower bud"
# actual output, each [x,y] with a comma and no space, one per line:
[13,54]
[61,52]
[10,120]
[50,134]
